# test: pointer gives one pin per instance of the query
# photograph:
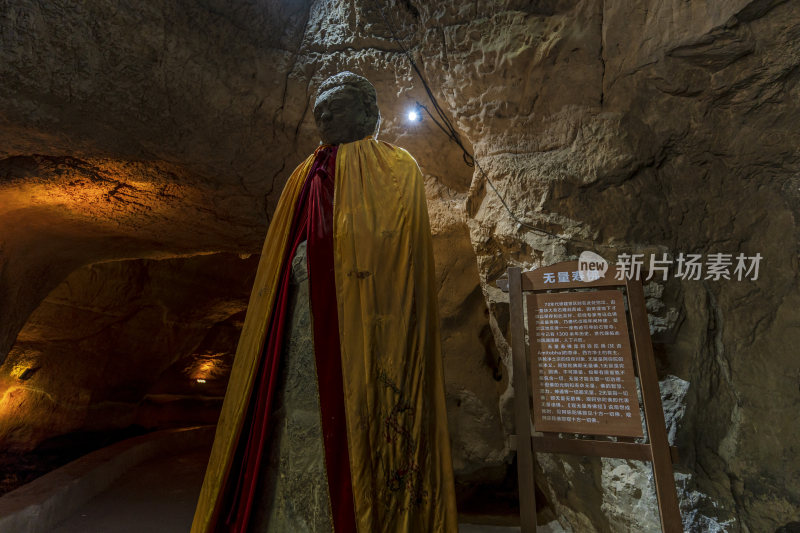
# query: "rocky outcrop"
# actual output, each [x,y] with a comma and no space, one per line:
[116,339]
[656,127]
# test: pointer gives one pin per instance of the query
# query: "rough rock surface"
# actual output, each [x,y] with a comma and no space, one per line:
[163,130]
[124,343]
[292,492]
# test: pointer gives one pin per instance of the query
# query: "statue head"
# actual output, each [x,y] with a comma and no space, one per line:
[346,109]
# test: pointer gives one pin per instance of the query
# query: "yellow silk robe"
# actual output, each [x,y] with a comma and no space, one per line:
[397,432]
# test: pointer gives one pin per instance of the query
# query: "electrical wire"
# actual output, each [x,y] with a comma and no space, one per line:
[447,127]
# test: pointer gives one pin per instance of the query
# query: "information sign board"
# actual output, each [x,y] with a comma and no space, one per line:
[582,370]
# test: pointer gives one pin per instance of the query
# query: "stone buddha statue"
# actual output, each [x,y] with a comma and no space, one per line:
[346,109]
[295,487]
[334,417]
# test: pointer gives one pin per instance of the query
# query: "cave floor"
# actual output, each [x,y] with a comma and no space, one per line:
[159,496]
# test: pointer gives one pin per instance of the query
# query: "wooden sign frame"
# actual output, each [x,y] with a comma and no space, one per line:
[657,450]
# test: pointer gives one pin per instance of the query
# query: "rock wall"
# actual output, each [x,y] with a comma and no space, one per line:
[160,130]
[115,340]
[656,128]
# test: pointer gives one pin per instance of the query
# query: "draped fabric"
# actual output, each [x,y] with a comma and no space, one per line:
[389,330]
[376,342]
[312,222]
[322,290]
[248,354]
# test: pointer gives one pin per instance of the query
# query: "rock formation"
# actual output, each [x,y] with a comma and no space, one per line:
[142,149]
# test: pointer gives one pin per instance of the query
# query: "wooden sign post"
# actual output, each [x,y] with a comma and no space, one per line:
[583,377]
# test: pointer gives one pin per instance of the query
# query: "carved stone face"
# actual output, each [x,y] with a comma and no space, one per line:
[346,109]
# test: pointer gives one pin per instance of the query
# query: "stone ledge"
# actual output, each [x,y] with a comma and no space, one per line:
[41,504]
